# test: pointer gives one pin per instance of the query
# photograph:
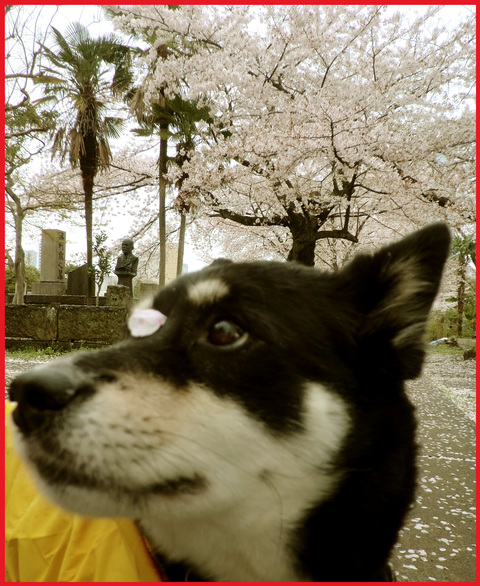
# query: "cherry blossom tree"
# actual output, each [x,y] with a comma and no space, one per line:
[327,119]
[29,121]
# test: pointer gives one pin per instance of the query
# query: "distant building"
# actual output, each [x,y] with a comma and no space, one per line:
[148,270]
[171,262]
[31,258]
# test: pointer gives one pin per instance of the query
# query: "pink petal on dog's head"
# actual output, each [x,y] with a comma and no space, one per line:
[144,322]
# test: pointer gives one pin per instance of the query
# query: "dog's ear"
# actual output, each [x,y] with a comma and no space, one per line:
[394,290]
[220,261]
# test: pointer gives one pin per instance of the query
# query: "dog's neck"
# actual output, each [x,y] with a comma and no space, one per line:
[229,547]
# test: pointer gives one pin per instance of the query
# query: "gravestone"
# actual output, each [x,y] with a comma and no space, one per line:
[52,264]
[77,281]
[118,296]
[146,289]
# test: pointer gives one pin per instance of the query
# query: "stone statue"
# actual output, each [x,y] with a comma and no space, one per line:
[127,264]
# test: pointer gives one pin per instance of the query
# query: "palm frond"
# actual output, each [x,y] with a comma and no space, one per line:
[86,73]
[43,79]
[137,103]
[59,143]
[76,34]
[65,54]
[113,126]
[143,131]
[77,146]
[104,154]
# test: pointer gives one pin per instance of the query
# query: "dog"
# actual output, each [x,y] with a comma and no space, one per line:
[254,423]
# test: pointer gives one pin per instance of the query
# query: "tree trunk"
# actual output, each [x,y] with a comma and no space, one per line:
[97,297]
[181,243]
[88,168]
[304,228]
[89,232]
[304,233]
[162,188]
[303,252]
[462,265]
[19,266]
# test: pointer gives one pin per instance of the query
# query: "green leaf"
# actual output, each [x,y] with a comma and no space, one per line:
[44,79]
[143,131]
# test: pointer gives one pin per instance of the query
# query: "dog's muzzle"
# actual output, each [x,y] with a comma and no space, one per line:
[42,392]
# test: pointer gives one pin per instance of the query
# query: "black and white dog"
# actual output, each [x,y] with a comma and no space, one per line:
[255,423]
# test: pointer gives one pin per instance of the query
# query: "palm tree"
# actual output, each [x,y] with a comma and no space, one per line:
[87,74]
[186,115]
[160,117]
[173,120]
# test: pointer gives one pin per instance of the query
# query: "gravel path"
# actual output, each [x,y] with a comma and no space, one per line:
[437,543]
[455,377]
[451,374]
[14,366]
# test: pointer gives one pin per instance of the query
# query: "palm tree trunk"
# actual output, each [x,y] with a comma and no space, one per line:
[89,231]
[88,168]
[181,243]
[162,188]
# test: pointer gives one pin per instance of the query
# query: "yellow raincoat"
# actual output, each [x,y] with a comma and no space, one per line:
[46,544]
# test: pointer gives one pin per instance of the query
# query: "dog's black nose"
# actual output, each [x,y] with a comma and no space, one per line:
[39,392]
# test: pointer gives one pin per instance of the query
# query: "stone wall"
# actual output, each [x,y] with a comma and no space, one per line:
[64,326]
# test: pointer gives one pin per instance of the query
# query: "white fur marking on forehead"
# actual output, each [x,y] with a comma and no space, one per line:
[144,322]
[208,291]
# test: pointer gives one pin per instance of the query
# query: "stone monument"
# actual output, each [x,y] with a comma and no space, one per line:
[52,264]
[127,265]
[77,281]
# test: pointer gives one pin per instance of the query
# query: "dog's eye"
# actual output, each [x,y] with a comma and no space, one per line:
[226,333]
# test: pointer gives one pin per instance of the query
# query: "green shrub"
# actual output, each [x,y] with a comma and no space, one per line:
[32,275]
[443,324]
